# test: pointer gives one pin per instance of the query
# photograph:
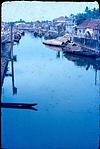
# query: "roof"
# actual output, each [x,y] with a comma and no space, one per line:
[93,24]
[60,19]
[62,39]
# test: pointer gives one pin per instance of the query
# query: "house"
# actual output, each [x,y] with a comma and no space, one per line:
[71,21]
[70,24]
[24,25]
[88,33]
[60,20]
[59,24]
[4,27]
[89,29]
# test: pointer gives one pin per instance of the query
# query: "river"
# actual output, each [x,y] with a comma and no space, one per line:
[67,93]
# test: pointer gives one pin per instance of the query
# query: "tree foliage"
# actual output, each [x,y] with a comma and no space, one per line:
[88,14]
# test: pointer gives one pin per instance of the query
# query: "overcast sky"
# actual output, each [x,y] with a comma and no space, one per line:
[34,10]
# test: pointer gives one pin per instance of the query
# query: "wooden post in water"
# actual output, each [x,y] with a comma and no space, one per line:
[98,37]
[12,61]
[96,77]
[11,36]
[12,54]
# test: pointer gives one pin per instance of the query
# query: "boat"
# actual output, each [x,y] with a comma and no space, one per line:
[19,105]
[86,53]
[54,42]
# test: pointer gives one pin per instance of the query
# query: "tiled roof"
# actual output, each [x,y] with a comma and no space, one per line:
[93,24]
[60,19]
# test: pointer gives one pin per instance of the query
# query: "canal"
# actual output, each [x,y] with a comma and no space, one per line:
[67,93]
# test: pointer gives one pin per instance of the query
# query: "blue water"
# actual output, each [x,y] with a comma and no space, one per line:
[67,95]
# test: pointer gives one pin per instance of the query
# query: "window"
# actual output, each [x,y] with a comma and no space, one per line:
[84,31]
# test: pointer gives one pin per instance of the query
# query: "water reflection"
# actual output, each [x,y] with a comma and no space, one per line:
[53,48]
[80,61]
[58,54]
[14,89]
[57,49]
[96,77]
[13,82]
[84,61]
[87,63]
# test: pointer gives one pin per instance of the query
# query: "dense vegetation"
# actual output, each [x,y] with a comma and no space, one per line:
[88,14]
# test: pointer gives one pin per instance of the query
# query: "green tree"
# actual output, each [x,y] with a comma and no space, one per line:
[80,18]
[88,14]
[86,9]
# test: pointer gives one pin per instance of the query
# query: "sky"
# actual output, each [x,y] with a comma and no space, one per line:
[38,10]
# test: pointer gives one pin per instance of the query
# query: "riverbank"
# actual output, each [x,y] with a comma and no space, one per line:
[4,61]
[6,36]
[6,52]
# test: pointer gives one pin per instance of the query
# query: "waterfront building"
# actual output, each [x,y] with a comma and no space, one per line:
[70,24]
[89,29]
[60,20]
[88,33]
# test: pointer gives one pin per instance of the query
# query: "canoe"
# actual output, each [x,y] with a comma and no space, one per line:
[19,105]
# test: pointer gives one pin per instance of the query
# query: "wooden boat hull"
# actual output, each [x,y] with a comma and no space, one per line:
[18,105]
[82,53]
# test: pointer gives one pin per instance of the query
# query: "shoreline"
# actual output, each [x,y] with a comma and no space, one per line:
[72,47]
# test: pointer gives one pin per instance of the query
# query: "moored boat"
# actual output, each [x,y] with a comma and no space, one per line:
[53,42]
[81,52]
